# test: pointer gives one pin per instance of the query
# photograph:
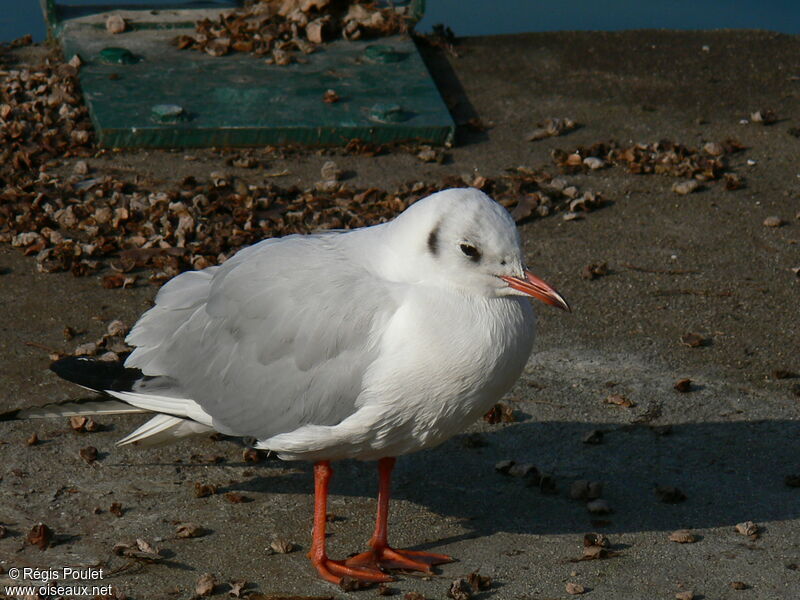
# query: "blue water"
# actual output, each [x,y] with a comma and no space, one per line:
[484,17]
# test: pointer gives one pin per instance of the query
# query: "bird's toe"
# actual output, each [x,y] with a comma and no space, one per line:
[388,558]
[335,570]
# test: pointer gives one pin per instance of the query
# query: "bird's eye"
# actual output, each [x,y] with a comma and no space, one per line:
[471,251]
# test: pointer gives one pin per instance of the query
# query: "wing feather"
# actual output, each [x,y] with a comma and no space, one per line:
[278,337]
[163,429]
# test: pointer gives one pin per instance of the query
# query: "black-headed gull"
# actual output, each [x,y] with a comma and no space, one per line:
[364,344]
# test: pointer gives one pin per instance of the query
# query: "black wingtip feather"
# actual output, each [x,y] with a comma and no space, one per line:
[98,375]
[11,415]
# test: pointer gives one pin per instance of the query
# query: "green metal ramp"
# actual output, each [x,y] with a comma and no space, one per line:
[143,92]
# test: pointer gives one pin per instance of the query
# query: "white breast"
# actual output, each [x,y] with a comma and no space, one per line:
[450,366]
[444,360]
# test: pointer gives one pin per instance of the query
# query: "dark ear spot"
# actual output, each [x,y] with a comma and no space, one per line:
[433,241]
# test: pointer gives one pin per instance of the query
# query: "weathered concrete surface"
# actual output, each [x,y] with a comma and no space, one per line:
[732,440]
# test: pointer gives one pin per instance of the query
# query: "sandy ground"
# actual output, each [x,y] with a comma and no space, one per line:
[700,263]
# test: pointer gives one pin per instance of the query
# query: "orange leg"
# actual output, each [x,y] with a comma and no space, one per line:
[382,556]
[333,570]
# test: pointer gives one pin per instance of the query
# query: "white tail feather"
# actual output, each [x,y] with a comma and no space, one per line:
[163,429]
[178,407]
[79,409]
[177,417]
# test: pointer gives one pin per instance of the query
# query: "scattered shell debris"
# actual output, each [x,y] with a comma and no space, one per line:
[665,157]
[83,424]
[773,221]
[733,181]
[596,546]
[594,271]
[115,24]
[330,96]
[550,128]
[428,154]
[188,530]
[686,187]
[682,536]
[140,550]
[89,454]
[595,539]
[40,536]
[539,194]
[739,585]
[594,163]
[747,528]
[500,413]
[479,582]
[693,340]
[203,490]
[253,455]
[112,228]
[42,105]
[619,400]
[714,148]
[330,171]
[282,546]
[283,32]
[575,588]
[81,168]
[460,589]
[237,588]
[205,585]
[110,346]
[236,498]
[764,116]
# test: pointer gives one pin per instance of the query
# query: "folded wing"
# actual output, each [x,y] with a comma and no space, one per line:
[277,337]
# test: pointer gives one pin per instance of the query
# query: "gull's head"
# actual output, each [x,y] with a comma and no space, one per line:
[462,239]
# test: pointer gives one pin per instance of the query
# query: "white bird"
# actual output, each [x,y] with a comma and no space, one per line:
[363,344]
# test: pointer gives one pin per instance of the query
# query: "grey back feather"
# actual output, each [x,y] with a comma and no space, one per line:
[262,342]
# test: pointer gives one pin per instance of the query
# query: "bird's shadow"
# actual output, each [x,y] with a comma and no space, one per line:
[729,472]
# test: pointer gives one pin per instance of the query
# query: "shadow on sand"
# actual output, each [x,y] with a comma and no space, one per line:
[729,471]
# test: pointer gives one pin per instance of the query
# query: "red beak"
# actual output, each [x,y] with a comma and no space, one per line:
[533,286]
